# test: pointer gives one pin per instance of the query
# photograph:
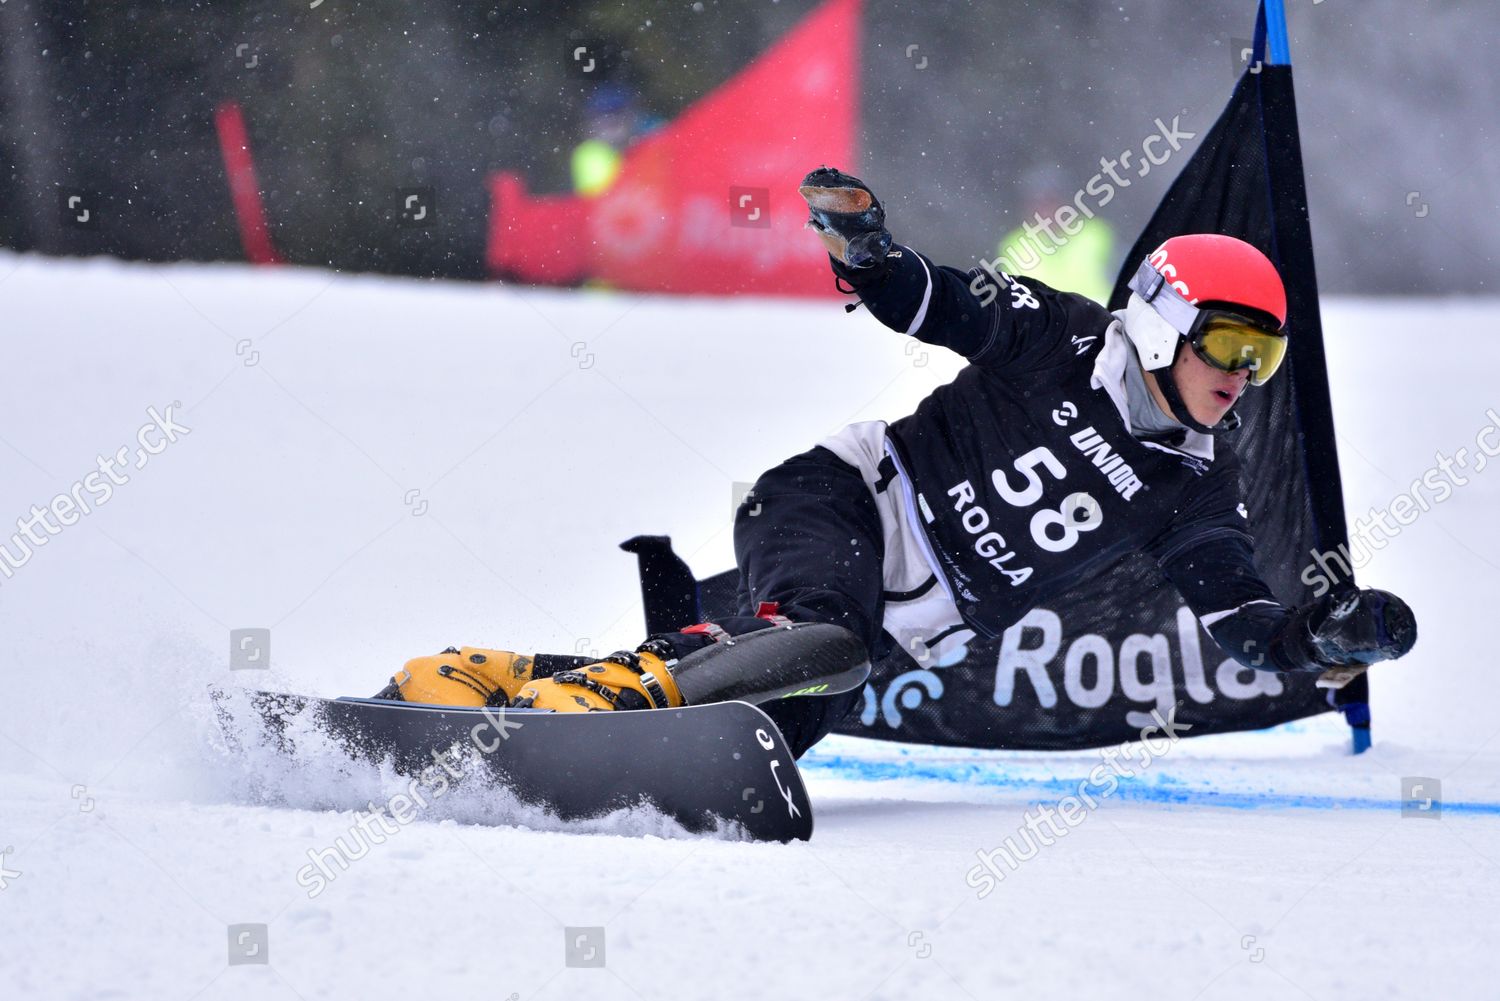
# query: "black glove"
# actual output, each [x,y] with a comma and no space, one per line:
[847,216]
[1355,626]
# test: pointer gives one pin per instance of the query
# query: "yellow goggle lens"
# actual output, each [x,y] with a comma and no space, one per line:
[1231,345]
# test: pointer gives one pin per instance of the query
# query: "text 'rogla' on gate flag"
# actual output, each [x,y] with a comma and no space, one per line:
[707,203]
[1087,669]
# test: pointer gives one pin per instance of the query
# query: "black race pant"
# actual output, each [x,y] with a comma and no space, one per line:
[808,537]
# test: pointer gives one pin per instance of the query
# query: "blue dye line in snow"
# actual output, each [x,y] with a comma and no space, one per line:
[1162,788]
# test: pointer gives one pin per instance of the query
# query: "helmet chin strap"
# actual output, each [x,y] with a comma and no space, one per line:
[1168,384]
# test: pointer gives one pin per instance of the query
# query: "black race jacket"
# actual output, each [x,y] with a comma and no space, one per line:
[1028,476]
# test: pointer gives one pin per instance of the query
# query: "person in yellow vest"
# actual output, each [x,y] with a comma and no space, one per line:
[1082,261]
[595,165]
[614,121]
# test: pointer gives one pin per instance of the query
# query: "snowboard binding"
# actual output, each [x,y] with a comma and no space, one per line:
[786,659]
[639,679]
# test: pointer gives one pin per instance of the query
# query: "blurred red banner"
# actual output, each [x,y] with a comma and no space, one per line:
[707,203]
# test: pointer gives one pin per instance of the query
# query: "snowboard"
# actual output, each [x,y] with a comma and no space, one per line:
[700,765]
[719,758]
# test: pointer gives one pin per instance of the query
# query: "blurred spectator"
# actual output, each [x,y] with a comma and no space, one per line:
[1081,261]
[613,120]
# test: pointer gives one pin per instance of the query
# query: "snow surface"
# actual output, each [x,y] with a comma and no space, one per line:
[539,429]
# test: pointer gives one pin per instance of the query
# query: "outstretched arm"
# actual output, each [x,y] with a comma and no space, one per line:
[911,295]
[990,319]
[1209,556]
[1349,627]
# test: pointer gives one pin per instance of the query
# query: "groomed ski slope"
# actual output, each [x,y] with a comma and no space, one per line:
[378,468]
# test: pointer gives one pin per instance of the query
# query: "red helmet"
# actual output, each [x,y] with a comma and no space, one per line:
[1206,267]
[1200,269]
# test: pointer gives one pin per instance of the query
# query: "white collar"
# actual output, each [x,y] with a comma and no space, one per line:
[1109,375]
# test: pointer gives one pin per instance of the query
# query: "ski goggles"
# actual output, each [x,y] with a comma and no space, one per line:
[1231,342]
[1223,338]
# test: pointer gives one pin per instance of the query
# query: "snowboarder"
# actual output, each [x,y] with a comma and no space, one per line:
[1073,437]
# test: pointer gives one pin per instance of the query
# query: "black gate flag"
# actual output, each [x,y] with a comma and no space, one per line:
[1087,669]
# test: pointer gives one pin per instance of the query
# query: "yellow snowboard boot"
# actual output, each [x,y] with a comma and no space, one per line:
[461,676]
[624,680]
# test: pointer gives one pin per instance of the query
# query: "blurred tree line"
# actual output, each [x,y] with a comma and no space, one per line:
[349,101]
